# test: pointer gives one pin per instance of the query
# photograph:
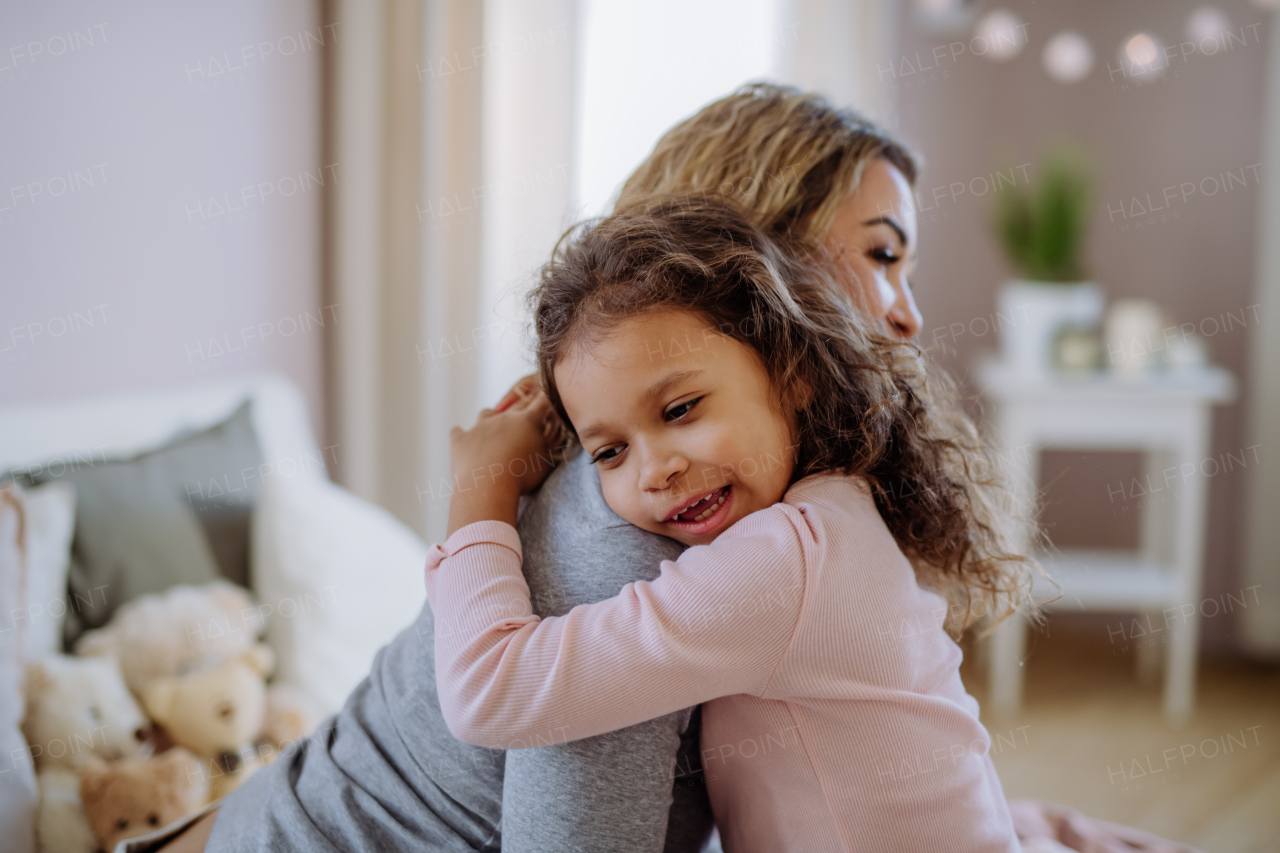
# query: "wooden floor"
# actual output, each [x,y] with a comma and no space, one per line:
[1090,737]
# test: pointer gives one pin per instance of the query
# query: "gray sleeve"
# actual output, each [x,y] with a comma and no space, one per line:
[613,792]
[610,793]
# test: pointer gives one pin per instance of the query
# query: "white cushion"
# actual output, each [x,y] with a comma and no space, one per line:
[337,577]
[51,523]
[59,434]
[18,795]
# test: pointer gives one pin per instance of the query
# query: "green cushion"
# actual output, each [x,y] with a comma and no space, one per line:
[177,514]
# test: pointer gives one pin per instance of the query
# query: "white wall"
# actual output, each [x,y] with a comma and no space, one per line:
[160,175]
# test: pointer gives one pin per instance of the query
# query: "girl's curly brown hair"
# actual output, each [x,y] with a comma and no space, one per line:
[865,404]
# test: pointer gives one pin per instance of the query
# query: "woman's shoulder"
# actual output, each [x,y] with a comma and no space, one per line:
[576,549]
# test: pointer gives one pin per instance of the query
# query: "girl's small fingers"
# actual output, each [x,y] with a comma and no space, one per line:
[530,400]
[541,416]
[518,391]
[541,410]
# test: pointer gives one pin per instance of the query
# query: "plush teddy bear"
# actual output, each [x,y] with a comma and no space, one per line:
[218,713]
[124,799]
[77,709]
[191,628]
[61,825]
[291,715]
[161,634]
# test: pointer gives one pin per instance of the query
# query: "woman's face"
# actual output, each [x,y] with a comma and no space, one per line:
[874,237]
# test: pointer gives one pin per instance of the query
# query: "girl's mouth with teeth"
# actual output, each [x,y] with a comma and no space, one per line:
[704,508]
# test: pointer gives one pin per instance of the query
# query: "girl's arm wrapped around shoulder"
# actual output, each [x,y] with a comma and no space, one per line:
[715,623]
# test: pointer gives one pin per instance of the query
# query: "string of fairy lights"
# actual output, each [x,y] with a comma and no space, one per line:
[1069,57]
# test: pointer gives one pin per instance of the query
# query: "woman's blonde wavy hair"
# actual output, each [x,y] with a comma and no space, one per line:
[787,157]
[865,404]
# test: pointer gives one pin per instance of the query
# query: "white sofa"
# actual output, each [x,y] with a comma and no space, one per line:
[338,576]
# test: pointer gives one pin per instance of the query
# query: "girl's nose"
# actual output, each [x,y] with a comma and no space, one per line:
[661,469]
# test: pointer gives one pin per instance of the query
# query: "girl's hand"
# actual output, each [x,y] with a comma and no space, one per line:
[499,459]
[556,434]
[525,386]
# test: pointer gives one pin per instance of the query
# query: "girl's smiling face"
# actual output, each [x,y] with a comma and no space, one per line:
[682,423]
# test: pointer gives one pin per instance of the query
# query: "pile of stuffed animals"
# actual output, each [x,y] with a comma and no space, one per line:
[163,710]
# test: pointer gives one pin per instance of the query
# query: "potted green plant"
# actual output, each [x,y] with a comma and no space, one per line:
[1041,227]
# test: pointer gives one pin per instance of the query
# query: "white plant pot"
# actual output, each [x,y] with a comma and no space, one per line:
[1032,312]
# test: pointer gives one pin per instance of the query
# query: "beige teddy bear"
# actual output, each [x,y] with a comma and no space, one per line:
[161,634]
[77,709]
[218,713]
[190,628]
[124,799]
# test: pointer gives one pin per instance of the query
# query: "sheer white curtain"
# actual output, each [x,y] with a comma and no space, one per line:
[454,120]
[839,49]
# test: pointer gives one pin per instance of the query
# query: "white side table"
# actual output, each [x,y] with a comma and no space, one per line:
[1167,416]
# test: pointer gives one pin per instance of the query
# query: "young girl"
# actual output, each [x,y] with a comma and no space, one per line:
[732,400]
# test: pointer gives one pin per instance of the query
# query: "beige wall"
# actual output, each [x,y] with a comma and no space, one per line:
[971,116]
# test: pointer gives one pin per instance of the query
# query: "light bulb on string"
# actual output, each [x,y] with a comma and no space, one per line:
[1068,57]
[1141,55]
[1002,35]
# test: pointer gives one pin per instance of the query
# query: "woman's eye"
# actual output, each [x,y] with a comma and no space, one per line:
[677,412]
[606,454]
[885,256]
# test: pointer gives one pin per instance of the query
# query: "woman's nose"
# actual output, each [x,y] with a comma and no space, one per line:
[903,317]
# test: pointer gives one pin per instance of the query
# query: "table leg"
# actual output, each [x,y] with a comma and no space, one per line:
[1180,668]
[1184,627]
[1008,647]
[1149,653]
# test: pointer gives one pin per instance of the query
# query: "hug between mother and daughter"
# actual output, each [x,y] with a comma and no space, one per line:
[763,479]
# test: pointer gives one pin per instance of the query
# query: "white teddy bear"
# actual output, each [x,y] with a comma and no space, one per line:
[191,629]
[77,709]
[159,635]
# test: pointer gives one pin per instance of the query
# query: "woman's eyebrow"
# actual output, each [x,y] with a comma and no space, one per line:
[887,220]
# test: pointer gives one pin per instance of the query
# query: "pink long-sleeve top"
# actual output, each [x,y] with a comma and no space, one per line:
[833,715]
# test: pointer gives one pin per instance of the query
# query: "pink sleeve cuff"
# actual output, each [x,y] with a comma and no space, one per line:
[495,532]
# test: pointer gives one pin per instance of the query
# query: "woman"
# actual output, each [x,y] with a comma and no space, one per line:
[386,772]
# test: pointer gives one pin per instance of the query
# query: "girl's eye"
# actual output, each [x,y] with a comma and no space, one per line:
[606,454]
[678,411]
